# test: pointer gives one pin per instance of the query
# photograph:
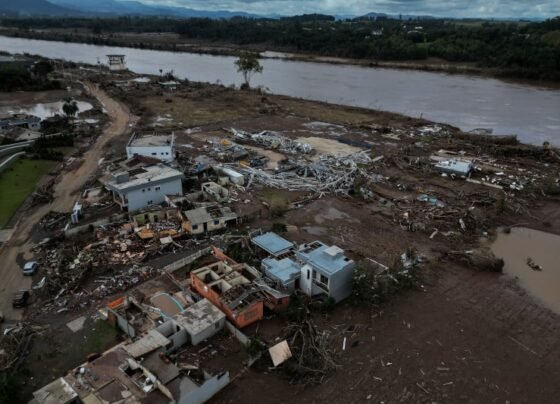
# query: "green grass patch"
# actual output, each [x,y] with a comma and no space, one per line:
[101,337]
[17,182]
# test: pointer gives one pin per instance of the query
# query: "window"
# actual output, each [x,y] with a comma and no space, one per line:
[216,222]
[158,188]
[150,202]
[195,226]
[167,153]
[315,275]
[324,280]
[162,153]
[149,189]
[154,154]
[308,274]
[143,190]
[217,326]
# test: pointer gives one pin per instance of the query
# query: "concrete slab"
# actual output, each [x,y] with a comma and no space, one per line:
[77,324]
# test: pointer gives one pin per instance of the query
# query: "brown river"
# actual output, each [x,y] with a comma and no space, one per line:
[531,112]
[531,256]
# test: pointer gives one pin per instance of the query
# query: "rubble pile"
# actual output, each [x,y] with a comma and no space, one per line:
[14,343]
[274,140]
[329,175]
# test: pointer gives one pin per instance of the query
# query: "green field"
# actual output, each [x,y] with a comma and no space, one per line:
[17,182]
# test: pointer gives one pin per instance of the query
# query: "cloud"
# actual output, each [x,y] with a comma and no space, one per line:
[450,8]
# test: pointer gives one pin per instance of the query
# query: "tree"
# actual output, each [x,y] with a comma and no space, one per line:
[42,68]
[70,107]
[248,64]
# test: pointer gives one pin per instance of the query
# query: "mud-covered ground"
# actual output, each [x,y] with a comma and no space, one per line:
[466,335]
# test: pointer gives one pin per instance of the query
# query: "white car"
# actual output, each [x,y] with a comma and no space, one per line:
[30,268]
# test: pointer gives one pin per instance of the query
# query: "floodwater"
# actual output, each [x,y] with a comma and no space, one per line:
[542,249]
[46,110]
[468,102]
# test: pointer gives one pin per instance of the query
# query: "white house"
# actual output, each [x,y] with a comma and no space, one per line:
[155,145]
[143,187]
[314,268]
[326,271]
[116,63]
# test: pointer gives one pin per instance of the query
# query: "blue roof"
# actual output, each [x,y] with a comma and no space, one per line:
[324,258]
[272,243]
[283,270]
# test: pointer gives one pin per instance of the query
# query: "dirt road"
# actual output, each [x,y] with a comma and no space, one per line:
[64,197]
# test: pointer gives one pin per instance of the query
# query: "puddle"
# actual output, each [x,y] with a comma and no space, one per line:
[523,248]
[46,110]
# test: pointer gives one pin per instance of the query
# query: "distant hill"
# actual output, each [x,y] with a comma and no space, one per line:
[121,8]
[33,8]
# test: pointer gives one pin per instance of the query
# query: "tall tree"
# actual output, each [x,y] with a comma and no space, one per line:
[70,107]
[248,64]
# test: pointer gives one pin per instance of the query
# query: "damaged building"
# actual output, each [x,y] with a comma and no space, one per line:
[314,268]
[152,144]
[230,291]
[144,187]
[207,219]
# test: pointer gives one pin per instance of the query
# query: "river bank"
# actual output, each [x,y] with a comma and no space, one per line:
[464,101]
[172,42]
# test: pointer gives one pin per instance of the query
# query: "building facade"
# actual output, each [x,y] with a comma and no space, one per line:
[159,146]
[145,187]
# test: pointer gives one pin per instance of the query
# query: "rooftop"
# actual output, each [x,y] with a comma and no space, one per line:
[205,215]
[199,317]
[59,391]
[284,270]
[272,243]
[327,259]
[155,173]
[152,139]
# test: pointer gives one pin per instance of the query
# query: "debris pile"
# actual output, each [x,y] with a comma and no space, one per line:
[313,353]
[329,175]
[274,140]
[14,344]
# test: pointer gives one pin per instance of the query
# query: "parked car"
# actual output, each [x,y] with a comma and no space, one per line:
[30,268]
[21,298]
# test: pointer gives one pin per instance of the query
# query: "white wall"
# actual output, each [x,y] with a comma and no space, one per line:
[153,194]
[164,153]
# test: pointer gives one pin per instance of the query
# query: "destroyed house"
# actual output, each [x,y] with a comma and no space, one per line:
[155,145]
[203,220]
[144,187]
[20,121]
[230,291]
[138,372]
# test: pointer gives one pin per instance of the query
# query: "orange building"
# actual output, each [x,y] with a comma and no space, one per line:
[225,286]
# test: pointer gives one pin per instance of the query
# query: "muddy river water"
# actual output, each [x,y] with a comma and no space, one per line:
[523,248]
[533,113]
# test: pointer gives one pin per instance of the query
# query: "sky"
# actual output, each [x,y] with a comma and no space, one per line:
[440,8]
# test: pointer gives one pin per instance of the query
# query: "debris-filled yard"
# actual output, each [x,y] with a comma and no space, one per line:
[290,250]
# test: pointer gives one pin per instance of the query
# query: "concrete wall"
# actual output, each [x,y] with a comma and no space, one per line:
[154,193]
[164,153]
[205,391]
[340,284]
[174,266]
[208,332]
[72,231]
